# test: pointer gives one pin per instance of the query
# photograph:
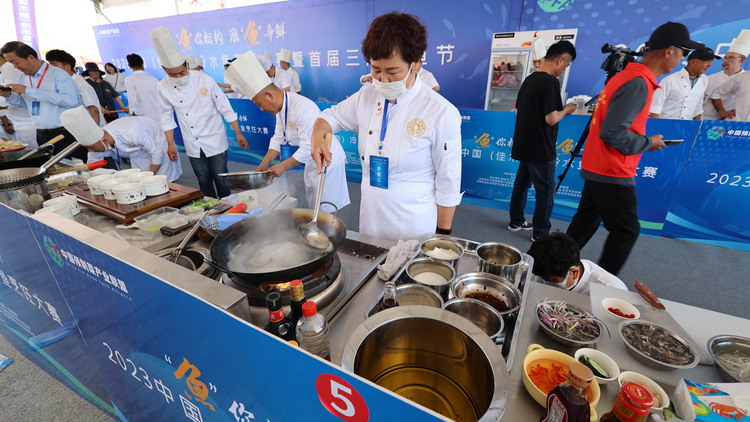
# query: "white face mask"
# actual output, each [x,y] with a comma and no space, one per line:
[392,90]
[180,81]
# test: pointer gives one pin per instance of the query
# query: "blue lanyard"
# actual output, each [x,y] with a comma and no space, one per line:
[286,116]
[116,154]
[383,127]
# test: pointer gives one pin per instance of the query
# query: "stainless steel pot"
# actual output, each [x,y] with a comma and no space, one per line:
[432,357]
[280,226]
[431,267]
[501,259]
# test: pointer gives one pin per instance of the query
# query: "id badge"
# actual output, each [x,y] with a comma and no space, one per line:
[35,105]
[379,171]
[287,150]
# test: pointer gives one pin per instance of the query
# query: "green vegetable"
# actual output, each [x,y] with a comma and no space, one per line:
[669,414]
[206,204]
[595,367]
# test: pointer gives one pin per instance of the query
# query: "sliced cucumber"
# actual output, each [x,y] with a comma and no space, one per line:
[595,367]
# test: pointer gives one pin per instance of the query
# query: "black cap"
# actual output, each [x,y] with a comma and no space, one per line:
[704,53]
[672,33]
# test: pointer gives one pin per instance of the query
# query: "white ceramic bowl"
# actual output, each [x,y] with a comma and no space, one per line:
[68,200]
[96,181]
[155,185]
[136,177]
[602,359]
[129,193]
[60,209]
[107,186]
[623,305]
[661,399]
[126,173]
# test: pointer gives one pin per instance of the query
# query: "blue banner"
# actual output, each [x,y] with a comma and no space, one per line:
[25,18]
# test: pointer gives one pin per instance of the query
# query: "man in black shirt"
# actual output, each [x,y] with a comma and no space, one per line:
[104,91]
[539,110]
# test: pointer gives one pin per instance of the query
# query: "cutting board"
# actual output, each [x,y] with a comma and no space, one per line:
[177,196]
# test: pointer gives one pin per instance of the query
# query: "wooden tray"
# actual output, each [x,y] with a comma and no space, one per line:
[177,196]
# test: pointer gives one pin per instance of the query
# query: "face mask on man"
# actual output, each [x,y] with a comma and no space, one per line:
[563,284]
[392,90]
[180,81]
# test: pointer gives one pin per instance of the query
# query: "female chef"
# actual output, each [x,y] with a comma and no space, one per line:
[409,137]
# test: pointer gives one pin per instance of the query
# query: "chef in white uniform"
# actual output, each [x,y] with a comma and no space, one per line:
[737,86]
[295,116]
[139,138]
[285,60]
[142,89]
[18,116]
[280,77]
[409,137]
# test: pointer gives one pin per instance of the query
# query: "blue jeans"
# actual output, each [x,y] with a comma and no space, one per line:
[542,176]
[207,170]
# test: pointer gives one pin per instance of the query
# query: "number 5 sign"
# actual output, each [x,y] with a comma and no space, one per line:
[341,399]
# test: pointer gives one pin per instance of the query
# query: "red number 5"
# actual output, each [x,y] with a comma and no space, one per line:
[341,399]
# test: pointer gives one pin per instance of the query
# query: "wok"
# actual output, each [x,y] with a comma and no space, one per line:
[35,160]
[280,226]
[247,180]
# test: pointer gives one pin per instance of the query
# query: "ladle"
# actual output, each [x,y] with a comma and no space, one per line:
[310,232]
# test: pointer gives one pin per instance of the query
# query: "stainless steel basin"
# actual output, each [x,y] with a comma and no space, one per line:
[432,357]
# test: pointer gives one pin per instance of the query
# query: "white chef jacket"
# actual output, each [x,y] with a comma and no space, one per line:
[236,93]
[593,273]
[21,118]
[282,79]
[142,99]
[739,86]
[676,99]
[296,85]
[299,126]
[714,80]
[199,106]
[141,139]
[88,96]
[423,146]
[117,81]
[428,78]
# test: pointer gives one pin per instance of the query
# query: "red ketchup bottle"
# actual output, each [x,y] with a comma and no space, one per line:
[567,402]
[633,404]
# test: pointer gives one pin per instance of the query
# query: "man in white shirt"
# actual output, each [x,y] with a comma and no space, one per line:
[285,58]
[280,77]
[737,85]
[680,95]
[557,262]
[199,104]
[66,62]
[428,78]
[17,119]
[731,65]
[141,90]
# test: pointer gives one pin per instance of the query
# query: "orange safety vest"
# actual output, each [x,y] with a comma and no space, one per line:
[598,156]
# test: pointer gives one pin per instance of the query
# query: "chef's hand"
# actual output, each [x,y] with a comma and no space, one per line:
[242,141]
[277,170]
[8,127]
[4,93]
[656,142]
[172,152]
[126,110]
[17,88]
[320,152]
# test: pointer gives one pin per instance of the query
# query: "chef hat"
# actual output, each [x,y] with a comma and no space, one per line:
[166,48]
[247,74]
[285,55]
[191,62]
[79,123]
[199,61]
[538,51]
[267,56]
[741,44]
[264,63]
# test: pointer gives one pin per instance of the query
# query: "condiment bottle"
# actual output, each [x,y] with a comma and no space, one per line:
[633,404]
[389,296]
[277,324]
[297,293]
[312,331]
[567,401]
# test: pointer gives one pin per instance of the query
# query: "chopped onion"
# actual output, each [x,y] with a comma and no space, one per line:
[736,363]
[568,323]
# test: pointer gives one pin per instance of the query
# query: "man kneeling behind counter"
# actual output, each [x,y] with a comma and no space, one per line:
[139,138]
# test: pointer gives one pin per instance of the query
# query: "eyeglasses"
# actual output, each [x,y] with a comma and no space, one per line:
[732,58]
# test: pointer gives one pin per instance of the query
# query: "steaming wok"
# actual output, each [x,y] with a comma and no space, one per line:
[281,225]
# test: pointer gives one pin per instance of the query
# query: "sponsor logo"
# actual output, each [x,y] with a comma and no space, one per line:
[716,132]
[53,252]
[109,31]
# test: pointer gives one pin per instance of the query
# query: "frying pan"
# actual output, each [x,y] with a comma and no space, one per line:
[247,180]
[15,178]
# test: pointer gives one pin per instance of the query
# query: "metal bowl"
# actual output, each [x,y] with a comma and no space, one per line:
[410,294]
[433,266]
[726,343]
[648,360]
[497,286]
[484,316]
[565,340]
[247,180]
[428,245]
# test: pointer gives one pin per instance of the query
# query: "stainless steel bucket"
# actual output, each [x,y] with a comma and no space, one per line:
[434,358]
[501,259]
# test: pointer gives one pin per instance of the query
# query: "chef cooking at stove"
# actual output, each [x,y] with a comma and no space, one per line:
[139,138]
[295,116]
[409,137]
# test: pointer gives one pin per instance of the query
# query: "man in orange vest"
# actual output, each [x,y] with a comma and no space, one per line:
[615,144]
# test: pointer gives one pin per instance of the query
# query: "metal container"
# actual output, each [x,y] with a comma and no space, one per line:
[649,361]
[442,242]
[499,287]
[428,265]
[500,259]
[728,344]
[434,358]
[565,340]
[484,316]
[409,295]
[28,198]
[247,180]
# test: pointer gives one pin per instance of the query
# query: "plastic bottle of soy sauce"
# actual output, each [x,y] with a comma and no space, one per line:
[567,401]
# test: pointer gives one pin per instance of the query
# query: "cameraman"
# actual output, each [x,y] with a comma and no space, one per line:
[615,144]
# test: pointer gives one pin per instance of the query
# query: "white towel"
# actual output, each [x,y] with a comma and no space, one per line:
[396,258]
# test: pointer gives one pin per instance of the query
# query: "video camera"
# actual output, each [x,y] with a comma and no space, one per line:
[617,60]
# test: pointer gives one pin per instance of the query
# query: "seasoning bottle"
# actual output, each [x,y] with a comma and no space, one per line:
[312,331]
[389,296]
[297,293]
[277,324]
[567,401]
[633,404]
